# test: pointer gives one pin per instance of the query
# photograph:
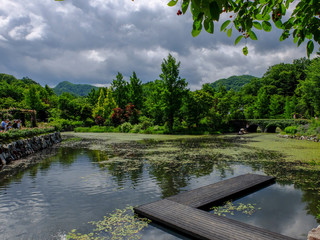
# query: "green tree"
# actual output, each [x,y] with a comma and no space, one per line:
[283,77]
[70,106]
[98,108]
[303,24]
[93,96]
[276,106]
[32,98]
[262,104]
[120,91]
[196,106]
[154,104]
[174,88]
[310,89]
[33,101]
[108,104]
[290,107]
[135,91]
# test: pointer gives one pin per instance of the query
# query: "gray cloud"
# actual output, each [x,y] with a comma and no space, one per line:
[90,41]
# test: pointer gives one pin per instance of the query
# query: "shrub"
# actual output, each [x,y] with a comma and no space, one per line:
[291,130]
[146,124]
[65,124]
[126,127]
[118,116]
[16,134]
[88,122]
[136,128]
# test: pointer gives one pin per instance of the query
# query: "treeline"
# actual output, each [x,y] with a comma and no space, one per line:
[166,104]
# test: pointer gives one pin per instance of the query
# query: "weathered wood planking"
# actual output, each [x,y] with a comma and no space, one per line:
[223,191]
[201,224]
[181,212]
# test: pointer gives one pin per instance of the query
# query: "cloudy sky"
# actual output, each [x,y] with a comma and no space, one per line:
[89,41]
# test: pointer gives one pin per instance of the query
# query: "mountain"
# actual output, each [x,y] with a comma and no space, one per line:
[233,82]
[76,89]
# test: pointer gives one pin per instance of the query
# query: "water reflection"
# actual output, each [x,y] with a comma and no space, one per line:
[77,186]
[281,211]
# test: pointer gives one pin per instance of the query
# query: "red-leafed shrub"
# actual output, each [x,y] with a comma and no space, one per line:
[118,116]
[99,120]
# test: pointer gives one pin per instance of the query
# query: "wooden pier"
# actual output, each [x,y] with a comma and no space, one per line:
[183,212]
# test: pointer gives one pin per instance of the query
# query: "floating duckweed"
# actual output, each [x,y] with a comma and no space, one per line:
[231,208]
[119,225]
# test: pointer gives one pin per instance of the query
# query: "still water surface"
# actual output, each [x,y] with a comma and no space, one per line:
[67,191]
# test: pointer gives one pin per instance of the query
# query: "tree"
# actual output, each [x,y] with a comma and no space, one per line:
[98,108]
[70,106]
[290,107]
[120,91]
[310,89]
[135,91]
[154,103]
[245,15]
[93,96]
[262,104]
[32,98]
[196,106]
[174,88]
[276,106]
[108,104]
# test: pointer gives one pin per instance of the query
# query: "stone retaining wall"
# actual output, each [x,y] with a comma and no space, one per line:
[308,138]
[22,148]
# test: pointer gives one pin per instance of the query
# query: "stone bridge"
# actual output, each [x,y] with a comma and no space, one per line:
[265,125]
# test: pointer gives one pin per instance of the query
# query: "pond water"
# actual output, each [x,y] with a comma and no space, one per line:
[79,185]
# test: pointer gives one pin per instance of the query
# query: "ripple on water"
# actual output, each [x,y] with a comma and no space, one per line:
[73,189]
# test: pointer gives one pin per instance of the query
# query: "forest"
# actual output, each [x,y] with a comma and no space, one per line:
[166,105]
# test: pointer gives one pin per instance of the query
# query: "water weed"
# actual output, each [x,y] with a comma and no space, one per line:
[231,208]
[122,224]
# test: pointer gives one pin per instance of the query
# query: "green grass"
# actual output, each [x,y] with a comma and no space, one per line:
[293,150]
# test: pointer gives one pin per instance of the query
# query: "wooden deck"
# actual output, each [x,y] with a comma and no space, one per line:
[201,224]
[181,212]
[220,192]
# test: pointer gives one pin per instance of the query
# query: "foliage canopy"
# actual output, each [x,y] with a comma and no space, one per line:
[248,15]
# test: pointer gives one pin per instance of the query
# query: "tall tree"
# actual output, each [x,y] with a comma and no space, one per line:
[154,103]
[310,89]
[135,91]
[262,104]
[108,104]
[32,98]
[174,88]
[98,108]
[276,106]
[196,106]
[120,91]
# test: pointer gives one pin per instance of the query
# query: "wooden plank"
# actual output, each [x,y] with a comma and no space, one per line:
[217,193]
[201,224]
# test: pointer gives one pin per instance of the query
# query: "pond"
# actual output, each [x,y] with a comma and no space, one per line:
[80,184]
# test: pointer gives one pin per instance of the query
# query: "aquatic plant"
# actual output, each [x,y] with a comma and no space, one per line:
[230,208]
[119,225]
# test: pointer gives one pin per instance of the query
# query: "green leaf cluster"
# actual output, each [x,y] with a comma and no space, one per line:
[302,25]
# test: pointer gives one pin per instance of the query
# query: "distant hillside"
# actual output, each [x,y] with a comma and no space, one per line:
[233,82]
[76,89]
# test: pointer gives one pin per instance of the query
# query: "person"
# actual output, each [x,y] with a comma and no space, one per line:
[9,126]
[19,124]
[15,124]
[4,124]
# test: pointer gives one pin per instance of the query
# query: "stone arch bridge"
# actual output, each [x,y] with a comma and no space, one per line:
[266,125]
